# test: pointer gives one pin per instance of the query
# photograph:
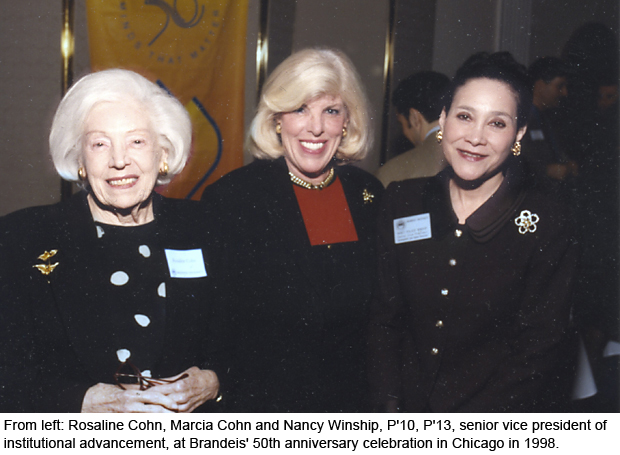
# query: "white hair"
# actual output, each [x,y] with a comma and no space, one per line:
[167,115]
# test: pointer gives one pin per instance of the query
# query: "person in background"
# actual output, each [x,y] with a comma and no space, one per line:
[106,297]
[543,149]
[418,102]
[590,125]
[476,266]
[299,226]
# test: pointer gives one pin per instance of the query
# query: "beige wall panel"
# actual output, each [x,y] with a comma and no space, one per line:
[30,81]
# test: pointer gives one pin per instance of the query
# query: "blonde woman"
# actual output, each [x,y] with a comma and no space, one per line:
[299,224]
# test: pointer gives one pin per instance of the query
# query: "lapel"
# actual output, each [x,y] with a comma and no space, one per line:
[287,221]
[486,222]
[72,284]
[363,201]
[437,202]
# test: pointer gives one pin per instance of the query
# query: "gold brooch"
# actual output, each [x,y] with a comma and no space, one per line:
[368,196]
[48,268]
[527,222]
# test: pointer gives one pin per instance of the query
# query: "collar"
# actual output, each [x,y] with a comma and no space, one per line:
[431,131]
[78,210]
[489,218]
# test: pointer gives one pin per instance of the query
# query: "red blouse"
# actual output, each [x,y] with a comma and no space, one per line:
[326,214]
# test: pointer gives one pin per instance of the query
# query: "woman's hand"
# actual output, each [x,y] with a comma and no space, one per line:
[111,398]
[184,395]
[198,387]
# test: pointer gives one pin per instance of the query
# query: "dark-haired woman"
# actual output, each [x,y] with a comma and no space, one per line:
[476,266]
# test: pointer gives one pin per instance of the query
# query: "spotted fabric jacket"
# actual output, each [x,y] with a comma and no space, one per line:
[54,316]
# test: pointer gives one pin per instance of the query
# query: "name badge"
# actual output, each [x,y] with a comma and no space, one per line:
[186,263]
[412,228]
[537,135]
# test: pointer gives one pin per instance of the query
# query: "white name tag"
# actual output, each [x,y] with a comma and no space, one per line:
[186,263]
[412,228]
[537,135]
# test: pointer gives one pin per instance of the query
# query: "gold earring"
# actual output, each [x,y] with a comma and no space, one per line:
[164,170]
[279,128]
[82,173]
[516,149]
[344,132]
[439,136]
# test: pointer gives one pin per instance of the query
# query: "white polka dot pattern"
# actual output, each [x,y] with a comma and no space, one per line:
[119,278]
[161,290]
[100,231]
[145,251]
[123,354]
[142,319]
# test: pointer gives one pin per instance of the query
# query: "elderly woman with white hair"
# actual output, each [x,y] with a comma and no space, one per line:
[105,295]
[299,228]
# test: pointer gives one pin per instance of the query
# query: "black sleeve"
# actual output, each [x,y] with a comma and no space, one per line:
[387,321]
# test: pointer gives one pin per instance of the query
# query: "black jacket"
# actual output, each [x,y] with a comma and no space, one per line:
[297,313]
[50,324]
[475,318]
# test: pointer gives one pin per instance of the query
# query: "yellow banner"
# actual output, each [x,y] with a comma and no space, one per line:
[196,50]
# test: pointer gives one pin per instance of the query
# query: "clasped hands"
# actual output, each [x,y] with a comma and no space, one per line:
[181,393]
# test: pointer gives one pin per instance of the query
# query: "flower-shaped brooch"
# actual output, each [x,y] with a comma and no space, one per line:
[527,222]
[368,196]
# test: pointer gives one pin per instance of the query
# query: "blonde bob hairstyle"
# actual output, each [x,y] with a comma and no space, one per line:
[300,78]
[169,119]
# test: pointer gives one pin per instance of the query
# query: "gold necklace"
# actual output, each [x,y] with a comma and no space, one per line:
[311,186]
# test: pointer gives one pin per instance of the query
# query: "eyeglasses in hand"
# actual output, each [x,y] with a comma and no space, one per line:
[136,377]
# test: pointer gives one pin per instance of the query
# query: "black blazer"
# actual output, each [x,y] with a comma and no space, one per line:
[51,323]
[297,313]
[475,318]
